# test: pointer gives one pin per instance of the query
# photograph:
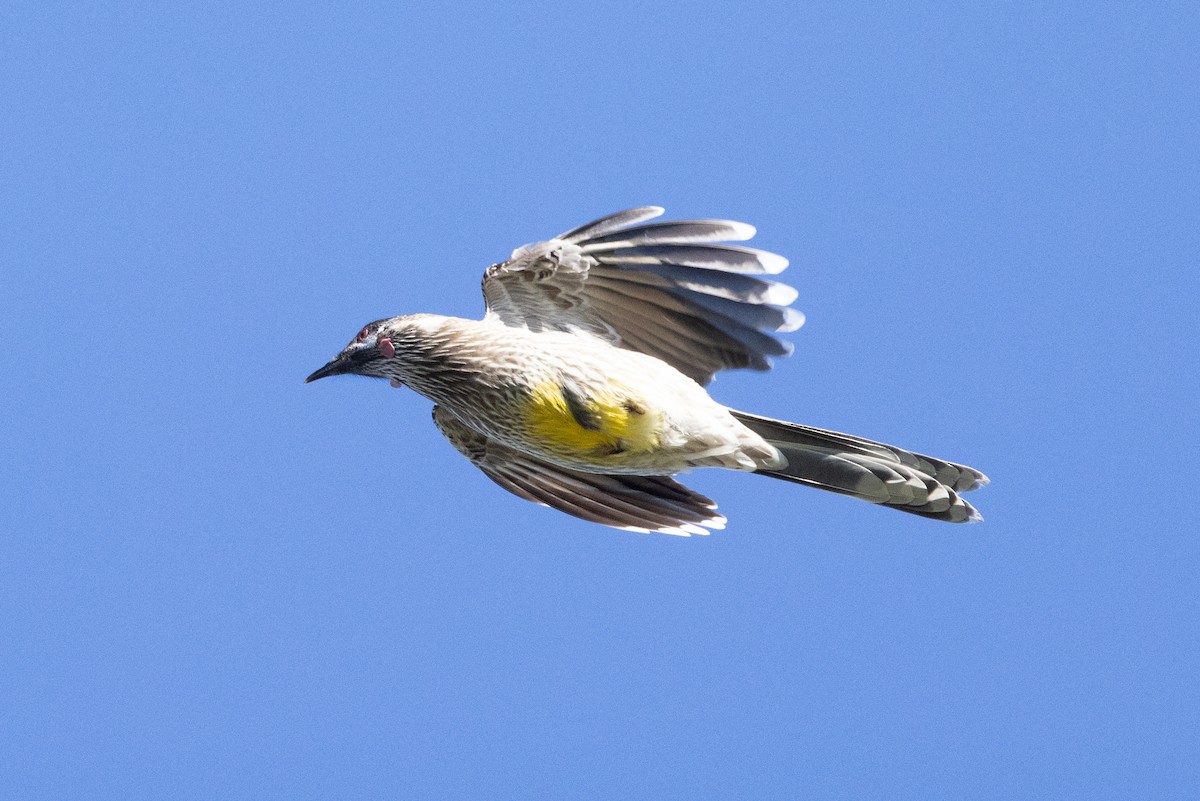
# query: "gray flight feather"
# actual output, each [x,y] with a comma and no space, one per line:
[635,503]
[659,288]
[622,219]
[726,258]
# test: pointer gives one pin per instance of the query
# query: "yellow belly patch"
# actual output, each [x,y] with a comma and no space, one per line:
[595,424]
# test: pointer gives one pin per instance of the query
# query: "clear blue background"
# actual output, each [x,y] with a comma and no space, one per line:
[217,582]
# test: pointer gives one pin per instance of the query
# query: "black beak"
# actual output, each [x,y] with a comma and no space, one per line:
[338,366]
[351,360]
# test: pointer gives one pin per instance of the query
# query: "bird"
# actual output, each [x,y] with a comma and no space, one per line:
[583,387]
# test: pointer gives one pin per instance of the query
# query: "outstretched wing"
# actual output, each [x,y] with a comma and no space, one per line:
[663,288]
[633,503]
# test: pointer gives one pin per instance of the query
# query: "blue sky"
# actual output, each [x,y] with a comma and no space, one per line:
[217,582]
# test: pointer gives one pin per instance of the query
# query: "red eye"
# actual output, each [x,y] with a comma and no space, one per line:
[361,335]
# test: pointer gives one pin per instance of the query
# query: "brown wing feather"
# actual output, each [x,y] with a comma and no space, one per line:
[662,288]
[633,503]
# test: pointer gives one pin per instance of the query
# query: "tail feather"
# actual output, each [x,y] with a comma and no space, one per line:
[872,471]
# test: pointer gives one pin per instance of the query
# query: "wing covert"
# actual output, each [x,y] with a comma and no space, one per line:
[672,290]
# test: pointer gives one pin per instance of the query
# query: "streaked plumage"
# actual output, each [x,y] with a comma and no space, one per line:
[583,386]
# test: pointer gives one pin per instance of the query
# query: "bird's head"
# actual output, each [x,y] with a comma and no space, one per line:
[370,353]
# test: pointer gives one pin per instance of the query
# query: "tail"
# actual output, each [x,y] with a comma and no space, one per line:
[869,470]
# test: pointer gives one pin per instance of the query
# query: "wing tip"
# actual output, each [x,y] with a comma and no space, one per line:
[778,294]
[772,263]
[738,231]
[792,319]
[700,528]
